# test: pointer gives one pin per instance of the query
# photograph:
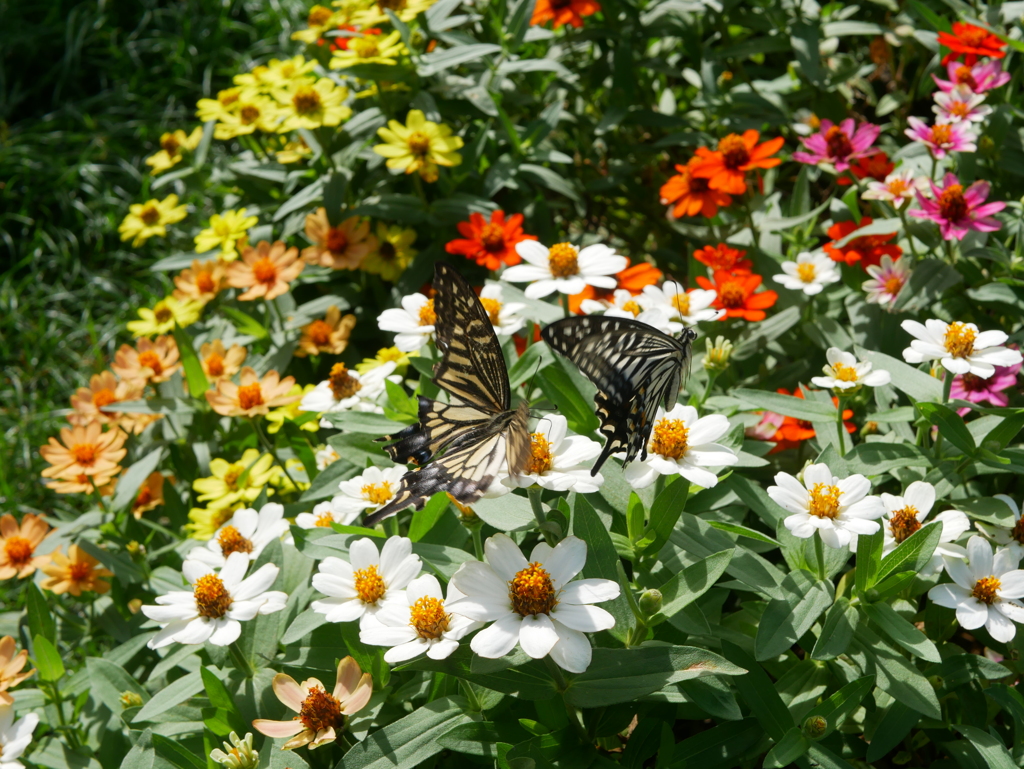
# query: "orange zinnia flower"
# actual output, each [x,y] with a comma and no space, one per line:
[265,270]
[201,282]
[18,545]
[726,168]
[84,450]
[10,668]
[149,361]
[736,294]
[563,12]
[85,484]
[877,167]
[690,196]
[632,279]
[329,335]
[150,495]
[721,257]
[867,250]
[793,431]
[970,41]
[218,364]
[252,396]
[104,390]
[490,244]
[75,573]
[342,247]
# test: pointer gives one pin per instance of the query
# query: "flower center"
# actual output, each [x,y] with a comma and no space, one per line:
[942,134]
[337,240]
[19,550]
[205,282]
[106,396]
[231,541]
[838,142]
[959,340]
[540,455]
[319,332]
[79,571]
[493,237]
[429,618]
[369,584]
[419,144]
[531,591]
[231,477]
[427,316]
[973,36]
[148,359]
[973,383]
[306,100]
[952,205]
[365,48]
[325,520]
[169,144]
[985,589]
[387,251]
[844,373]
[734,151]
[732,295]
[250,396]
[806,271]
[343,384]
[229,96]
[681,302]
[698,186]
[215,364]
[964,76]
[903,523]
[249,113]
[670,438]
[318,16]
[960,109]
[493,308]
[633,307]
[162,313]
[150,215]
[85,453]
[1017,532]
[562,260]
[897,187]
[824,502]
[212,599]
[893,285]
[143,498]
[265,270]
[377,493]
[320,710]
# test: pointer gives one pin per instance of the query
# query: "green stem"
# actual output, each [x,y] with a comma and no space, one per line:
[269,446]
[947,386]
[534,493]
[819,552]
[712,376]
[841,427]
[240,661]
[391,526]
[637,634]
[906,230]
[478,543]
[562,685]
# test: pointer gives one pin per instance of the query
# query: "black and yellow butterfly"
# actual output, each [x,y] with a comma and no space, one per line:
[635,367]
[461,444]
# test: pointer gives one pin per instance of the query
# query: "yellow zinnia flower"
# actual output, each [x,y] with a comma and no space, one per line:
[290,412]
[419,145]
[313,105]
[204,521]
[284,72]
[394,252]
[387,355]
[370,49]
[226,486]
[283,483]
[293,152]
[258,79]
[406,10]
[171,145]
[249,113]
[146,220]
[163,316]
[225,231]
[224,104]
[320,19]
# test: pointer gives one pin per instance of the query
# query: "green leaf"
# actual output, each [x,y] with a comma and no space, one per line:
[48,661]
[246,324]
[514,674]
[446,58]
[665,512]
[476,739]
[176,753]
[108,681]
[690,584]
[602,560]
[958,669]
[852,198]
[901,631]
[363,422]
[951,426]
[559,387]
[992,751]
[929,280]
[194,374]
[536,358]
[916,549]
[787,619]
[743,531]
[791,747]
[905,378]
[938,23]
[216,692]
[893,726]
[869,559]
[423,520]
[841,704]
[326,482]
[508,512]
[837,630]
[759,693]
[1009,699]
[334,187]
[173,694]
[755,497]
[787,405]
[898,676]
[721,746]
[131,481]
[40,621]
[999,437]
[873,459]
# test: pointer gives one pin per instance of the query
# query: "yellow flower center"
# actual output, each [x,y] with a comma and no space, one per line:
[343,384]
[264,270]
[1017,532]
[681,302]
[493,237]
[149,359]
[212,598]
[903,523]
[378,493]
[419,143]
[234,472]
[964,76]
[427,315]
[319,333]
[105,396]
[169,144]
[562,260]
[205,282]
[493,310]
[85,453]
[18,550]
[306,100]
[960,109]
[325,520]
[318,16]
[732,295]
[337,240]
[959,340]
[231,541]
[897,187]
[531,591]
[632,307]
[150,215]
[162,313]
[320,710]
[365,47]
[214,364]
[670,438]
[540,455]
[250,396]
[143,498]
[844,373]
[952,204]
[429,618]
[942,133]
[369,584]
[806,271]
[734,151]
[79,571]
[985,589]
[824,502]
[893,285]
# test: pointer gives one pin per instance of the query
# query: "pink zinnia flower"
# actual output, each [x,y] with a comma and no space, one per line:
[838,144]
[968,387]
[887,280]
[961,105]
[979,78]
[943,137]
[957,210]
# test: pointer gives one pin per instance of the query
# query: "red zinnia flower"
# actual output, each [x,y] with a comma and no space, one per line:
[490,244]
[877,167]
[689,196]
[721,257]
[866,250]
[794,431]
[726,168]
[633,279]
[563,12]
[735,294]
[971,42]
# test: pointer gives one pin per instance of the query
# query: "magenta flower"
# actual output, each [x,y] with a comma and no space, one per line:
[957,210]
[967,387]
[979,78]
[942,138]
[838,144]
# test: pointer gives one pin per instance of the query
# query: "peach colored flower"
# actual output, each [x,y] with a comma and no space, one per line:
[150,495]
[85,484]
[18,545]
[340,248]
[265,270]
[329,335]
[201,282]
[104,390]
[150,361]
[75,573]
[84,450]
[252,396]
[218,364]
[10,668]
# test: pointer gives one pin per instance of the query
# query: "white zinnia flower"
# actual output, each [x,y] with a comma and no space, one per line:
[564,268]
[887,280]
[326,513]
[960,347]
[835,508]
[366,582]
[810,273]
[961,105]
[15,736]
[421,623]
[684,308]
[533,603]
[899,188]
[845,372]
[413,322]
[1012,537]
[505,317]
[557,459]
[370,491]
[984,591]
[217,604]
[685,444]
[246,531]
[325,455]
[624,304]
[349,390]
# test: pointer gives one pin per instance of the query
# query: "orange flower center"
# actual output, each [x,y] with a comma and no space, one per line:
[903,523]
[18,550]
[150,215]
[229,97]
[319,333]
[419,144]
[973,36]
[960,109]
[959,340]
[249,113]
[531,591]
[162,313]
[844,373]
[952,205]
[838,142]
[318,16]
[250,396]
[205,282]
[79,571]
[493,308]
[320,710]
[427,315]
[429,618]
[734,152]
[540,455]
[697,186]
[681,302]
[265,270]
[632,307]
[215,364]
[670,438]
[343,384]
[231,541]
[85,453]
[824,501]
[493,238]
[893,285]
[306,101]
[897,187]
[169,144]
[149,359]
[731,295]
[964,76]
[1017,532]
[325,520]
[104,397]
[985,589]
[562,260]
[143,498]
[378,493]
[806,271]
[232,475]
[369,584]
[212,599]
[942,133]
[337,240]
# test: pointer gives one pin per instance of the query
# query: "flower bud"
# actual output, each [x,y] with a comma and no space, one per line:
[650,602]
[814,727]
[467,517]
[237,754]
[719,352]
[130,699]
[986,146]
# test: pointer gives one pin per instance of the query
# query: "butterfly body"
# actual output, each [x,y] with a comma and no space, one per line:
[635,367]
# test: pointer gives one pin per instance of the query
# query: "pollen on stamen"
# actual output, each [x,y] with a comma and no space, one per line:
[540,455]
[563,260]
[427,316]
[669,438]
[959,340]
[985,589]
[681,302]
[342,383]
[844,373]
[250,396]
[903,523]
[212,599]
[231,541]
[378,493]
[806,272]
[531,591]
[824,500]
[429,618]
[369,584]
[493,309]
[320,710]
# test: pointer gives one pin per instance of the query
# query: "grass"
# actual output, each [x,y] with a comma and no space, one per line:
[86,89]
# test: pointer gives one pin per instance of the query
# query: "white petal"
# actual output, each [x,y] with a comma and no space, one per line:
[585,618]
[589,591]
[537,635]
[504,556]
[1000,627]
[226,632]
[498,639]
[979,553]
[572,652]
[971,614]
[567,560]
